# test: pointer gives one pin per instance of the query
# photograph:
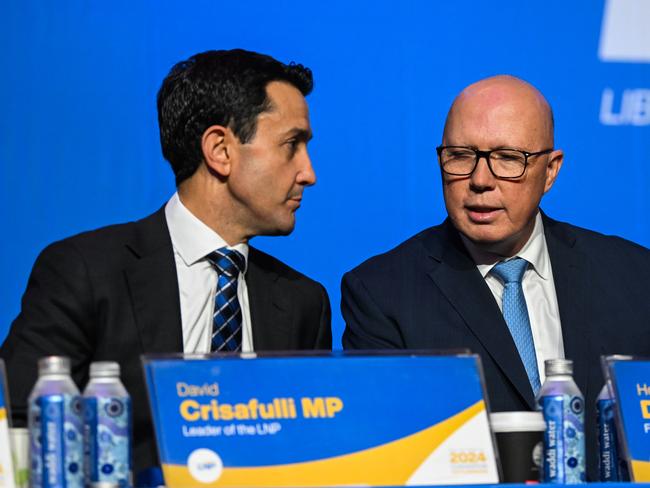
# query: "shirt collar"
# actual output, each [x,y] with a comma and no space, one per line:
[191,238]
[534,251]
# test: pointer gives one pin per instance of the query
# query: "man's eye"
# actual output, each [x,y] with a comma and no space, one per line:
[292,145]
[460,154]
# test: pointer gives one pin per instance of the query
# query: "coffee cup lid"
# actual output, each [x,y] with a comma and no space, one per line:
[517,421]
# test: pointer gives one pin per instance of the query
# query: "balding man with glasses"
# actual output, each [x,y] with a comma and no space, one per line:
[498,276]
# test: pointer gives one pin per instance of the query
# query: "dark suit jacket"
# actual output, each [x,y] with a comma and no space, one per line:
[428,293]
[112,294]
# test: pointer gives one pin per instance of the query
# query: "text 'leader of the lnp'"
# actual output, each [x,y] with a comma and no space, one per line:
[234,125]
[584,293]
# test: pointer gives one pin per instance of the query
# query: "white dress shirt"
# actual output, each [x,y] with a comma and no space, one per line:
[192,241]
[539,291]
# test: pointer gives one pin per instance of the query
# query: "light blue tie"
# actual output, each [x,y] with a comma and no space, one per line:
[515,314]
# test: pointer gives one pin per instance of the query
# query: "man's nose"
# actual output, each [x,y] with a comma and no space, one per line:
[306,174]
[482,178]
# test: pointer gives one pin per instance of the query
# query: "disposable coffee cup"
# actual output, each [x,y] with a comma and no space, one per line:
[19,438]
[520,441]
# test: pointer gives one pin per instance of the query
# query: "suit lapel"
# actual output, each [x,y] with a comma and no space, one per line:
[458,279]
[271,309]
[570,277]
[153,286]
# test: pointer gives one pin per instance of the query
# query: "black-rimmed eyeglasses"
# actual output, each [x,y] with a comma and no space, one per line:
[503,163]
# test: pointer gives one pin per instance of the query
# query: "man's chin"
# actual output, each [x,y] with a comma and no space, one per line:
[283,229]
[504,246]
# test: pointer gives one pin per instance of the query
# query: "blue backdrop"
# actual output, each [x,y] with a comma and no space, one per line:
[79,140]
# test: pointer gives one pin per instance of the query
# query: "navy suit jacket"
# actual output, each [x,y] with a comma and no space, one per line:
[112,294]
[427,293]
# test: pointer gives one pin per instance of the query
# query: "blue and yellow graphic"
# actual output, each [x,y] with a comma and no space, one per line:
[313,421]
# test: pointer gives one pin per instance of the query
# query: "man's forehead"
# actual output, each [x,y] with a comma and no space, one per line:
[282,94]
[285,99]
[284,121]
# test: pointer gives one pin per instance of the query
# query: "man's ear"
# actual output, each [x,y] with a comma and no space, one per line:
[555,160]
[217,145]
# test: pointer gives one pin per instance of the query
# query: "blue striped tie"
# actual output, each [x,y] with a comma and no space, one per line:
[227,318]
[515,313]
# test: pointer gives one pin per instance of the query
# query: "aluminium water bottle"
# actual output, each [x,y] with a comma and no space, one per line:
[563,407]
[610,465]
[55,427]
[107,427]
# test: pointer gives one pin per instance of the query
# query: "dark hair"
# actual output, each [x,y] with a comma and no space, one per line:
[217,88]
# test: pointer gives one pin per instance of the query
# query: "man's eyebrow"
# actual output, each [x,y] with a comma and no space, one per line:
[300,134]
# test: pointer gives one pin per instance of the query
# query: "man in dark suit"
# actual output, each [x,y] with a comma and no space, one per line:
[234,126]
[585,293]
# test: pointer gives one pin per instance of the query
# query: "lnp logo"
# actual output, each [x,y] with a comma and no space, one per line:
[625,36]
[204,465]
[632,108]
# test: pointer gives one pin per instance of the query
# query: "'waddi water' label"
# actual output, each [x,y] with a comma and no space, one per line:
[57,441]
[564,446]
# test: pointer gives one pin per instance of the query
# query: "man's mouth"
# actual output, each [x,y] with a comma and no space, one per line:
[295,200]
[482,214]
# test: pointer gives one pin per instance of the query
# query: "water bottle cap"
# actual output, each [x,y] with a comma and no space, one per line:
[104,369]
[54,365]
[558,367]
